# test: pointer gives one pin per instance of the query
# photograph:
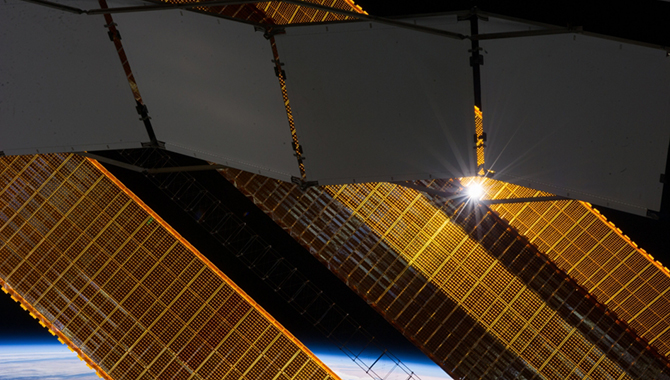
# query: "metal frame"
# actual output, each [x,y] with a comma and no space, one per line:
[145,8]
[409,185]
[472,15]
[525,33]
[167,6]
[489,202]
[381,20]
[575,29]
[361,16]
[427,190]
[61,7]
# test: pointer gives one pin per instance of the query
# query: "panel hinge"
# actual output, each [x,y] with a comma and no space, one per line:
[277,65]
[304,185]
[296,147]
[158,144]
[472,13]
[143,111]
[114,34]
[270,31]
[476,59]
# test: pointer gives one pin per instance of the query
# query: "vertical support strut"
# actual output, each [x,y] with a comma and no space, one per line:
[281,75]
[476,61]
[140,107]
[664,212]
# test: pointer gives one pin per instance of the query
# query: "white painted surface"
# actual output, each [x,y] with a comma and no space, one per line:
[62,87]
[577,116]
[211,90]
[373,102]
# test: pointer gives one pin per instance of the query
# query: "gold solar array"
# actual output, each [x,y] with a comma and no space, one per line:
[284,13]
[275,12]
[479,133]
[597,255]
[124,290]
[464,287]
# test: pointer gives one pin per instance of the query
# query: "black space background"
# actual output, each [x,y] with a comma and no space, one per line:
[644,21]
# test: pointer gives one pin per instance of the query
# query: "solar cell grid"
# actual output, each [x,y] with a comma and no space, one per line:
[487,282]
[117,284]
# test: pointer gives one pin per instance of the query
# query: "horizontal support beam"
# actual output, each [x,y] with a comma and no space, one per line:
[522,200]
[427,190]
[110,161]
[194,168]
[360,16]
[139,169]
[525,33]
[213,3]
[487,202]
[61,7]
[381,20]
[162,7]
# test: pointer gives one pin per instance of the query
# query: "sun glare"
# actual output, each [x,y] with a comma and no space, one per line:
[475,191]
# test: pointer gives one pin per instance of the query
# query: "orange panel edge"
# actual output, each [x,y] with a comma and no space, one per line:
[356,7]
[625,237]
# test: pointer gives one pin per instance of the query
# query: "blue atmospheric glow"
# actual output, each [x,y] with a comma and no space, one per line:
[42,361]
[34,360]
[348,370]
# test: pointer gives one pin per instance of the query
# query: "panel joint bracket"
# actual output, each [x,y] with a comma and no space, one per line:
[152,144]
[304,185]
[270,31]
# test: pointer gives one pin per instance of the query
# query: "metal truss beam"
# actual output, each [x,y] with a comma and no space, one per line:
[144,8]
[522,200]
[139,169]
[61,7]
[167,6]
[487,202]
[525,33]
